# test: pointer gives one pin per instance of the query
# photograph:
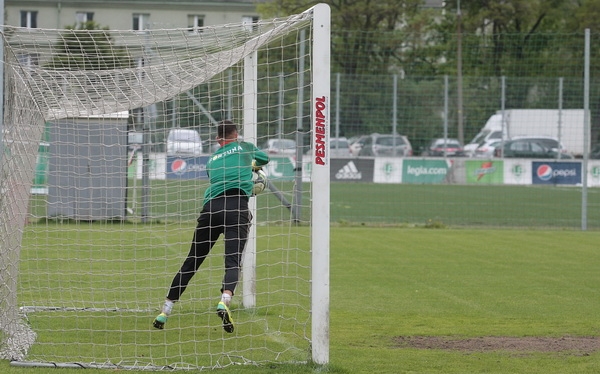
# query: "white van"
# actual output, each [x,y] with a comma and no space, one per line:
[492,131]
[184,142]
[566,125]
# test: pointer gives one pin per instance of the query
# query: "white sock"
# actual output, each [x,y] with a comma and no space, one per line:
[226,298]
[167,307]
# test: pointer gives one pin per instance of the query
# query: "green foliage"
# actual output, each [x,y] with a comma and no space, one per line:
[358,45]
[500,38]
[88,46]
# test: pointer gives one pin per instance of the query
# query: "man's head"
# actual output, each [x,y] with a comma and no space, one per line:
[226,130]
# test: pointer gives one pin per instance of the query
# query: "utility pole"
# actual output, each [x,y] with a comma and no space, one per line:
[459,83]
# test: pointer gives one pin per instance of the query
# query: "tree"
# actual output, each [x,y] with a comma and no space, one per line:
[369,37]
[505,35]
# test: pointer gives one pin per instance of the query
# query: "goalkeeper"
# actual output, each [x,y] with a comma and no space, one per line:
[225,211]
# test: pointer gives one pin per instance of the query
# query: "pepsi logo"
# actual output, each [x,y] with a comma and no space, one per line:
[544,172]
[178,166]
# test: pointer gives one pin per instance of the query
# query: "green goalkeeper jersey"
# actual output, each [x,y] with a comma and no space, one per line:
[230,167]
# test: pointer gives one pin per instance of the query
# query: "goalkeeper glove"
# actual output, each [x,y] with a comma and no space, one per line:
[254,167]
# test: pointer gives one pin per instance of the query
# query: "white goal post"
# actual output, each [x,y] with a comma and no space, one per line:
[97,210]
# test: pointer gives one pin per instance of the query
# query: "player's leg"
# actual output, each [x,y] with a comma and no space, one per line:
[237,226]
[205,235]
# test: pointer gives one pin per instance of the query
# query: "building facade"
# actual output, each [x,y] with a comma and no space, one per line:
[129,14]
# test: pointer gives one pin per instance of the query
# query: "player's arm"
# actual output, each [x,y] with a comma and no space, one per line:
[259,157]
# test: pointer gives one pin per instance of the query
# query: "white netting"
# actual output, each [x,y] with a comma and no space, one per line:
[89,281]
[172,61]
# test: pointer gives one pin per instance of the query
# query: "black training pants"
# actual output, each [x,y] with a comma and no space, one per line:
[227,215]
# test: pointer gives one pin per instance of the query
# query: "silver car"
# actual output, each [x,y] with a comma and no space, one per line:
[280,146]
[338,148]
[184,142]
[486,148]
[385,145]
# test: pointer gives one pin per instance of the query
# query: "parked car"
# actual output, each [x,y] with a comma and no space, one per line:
[280,146]
[486,148]
[338,147]
[384,145]
[445,147]
[210,145]
[548,142]
[483,136]
[595,152]
[531,148]
[354,145]
[184,142]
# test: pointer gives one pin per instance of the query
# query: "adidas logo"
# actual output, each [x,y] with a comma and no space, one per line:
[349,171]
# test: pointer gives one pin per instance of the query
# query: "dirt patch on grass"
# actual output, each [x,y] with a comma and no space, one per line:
[566,344]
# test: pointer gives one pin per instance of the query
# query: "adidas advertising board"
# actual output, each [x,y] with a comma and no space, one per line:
[351,170]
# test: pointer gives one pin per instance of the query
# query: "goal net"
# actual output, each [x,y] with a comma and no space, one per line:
[103,149]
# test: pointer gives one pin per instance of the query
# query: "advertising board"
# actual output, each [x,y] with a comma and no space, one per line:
[556,172]
[484,172]
[351,170]
[425,171]
[186,167]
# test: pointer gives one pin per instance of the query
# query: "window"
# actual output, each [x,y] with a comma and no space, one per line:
[519,146]
[29,19]
[83,17]
[388,141]
[536,148]
[249,22]
[496,135]
[28,60]
[195,23]
[140,21]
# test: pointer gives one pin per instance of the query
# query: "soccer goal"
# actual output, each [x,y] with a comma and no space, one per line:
[99,196]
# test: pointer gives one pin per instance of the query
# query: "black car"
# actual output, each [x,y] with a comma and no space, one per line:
[531,148]
[595,152]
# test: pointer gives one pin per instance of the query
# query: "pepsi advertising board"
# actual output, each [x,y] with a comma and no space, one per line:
[556,172]
[187,167]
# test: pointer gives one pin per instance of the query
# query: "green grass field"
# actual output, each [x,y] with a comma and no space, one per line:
[398,282]
[418,273]
[398,204]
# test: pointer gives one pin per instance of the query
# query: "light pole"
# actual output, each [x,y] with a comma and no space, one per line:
[459,104]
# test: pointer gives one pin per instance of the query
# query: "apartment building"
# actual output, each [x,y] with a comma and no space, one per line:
[129,14]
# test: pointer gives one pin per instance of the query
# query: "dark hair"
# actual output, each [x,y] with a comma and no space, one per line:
[225,129]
